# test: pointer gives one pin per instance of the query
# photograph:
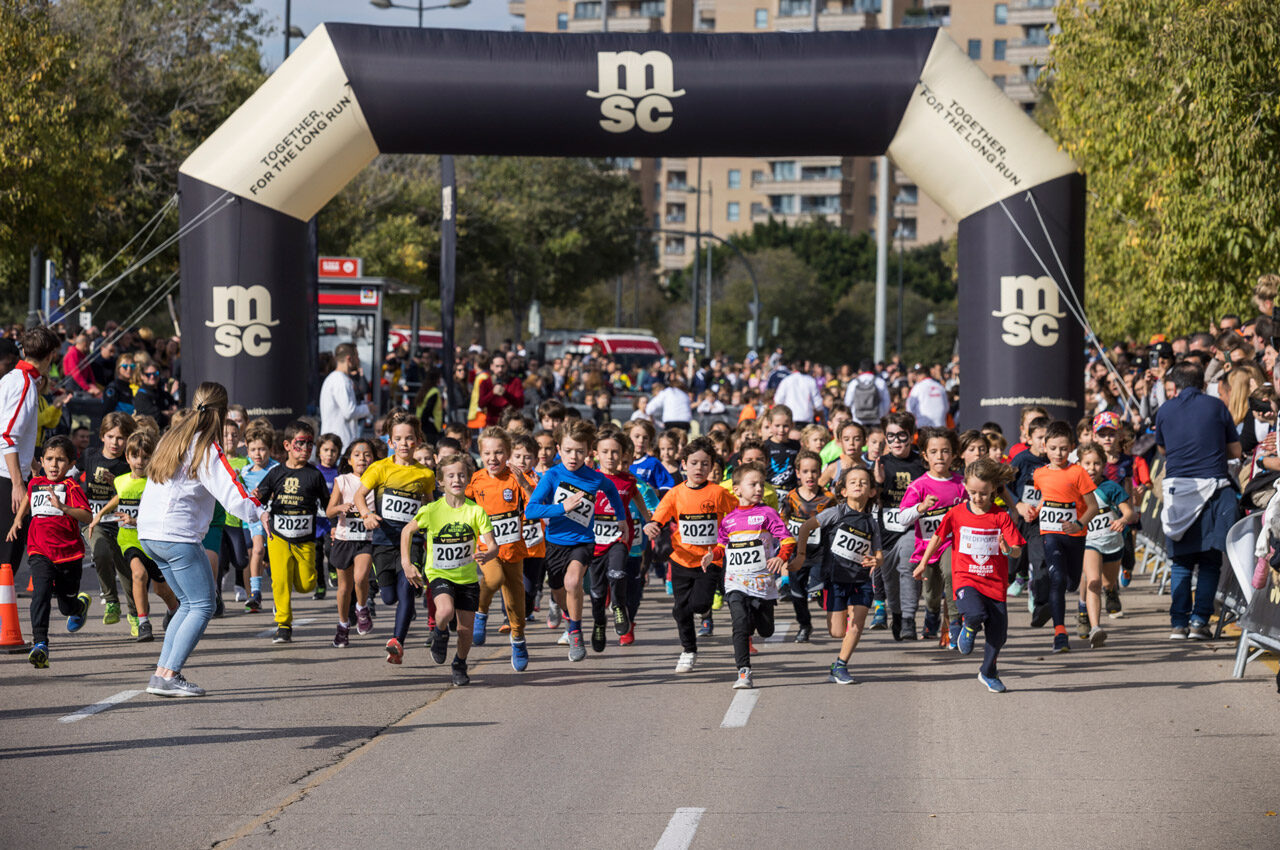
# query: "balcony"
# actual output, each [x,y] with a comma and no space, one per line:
[762,216]
[635,22]
[1020,89]
[1032,13]
[798,186]
[516,8]
[675,218]
[1024,52]
[940,17]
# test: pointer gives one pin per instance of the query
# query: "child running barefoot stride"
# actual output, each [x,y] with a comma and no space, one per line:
[984,540]
[754,544]
[851,552]
[452,525]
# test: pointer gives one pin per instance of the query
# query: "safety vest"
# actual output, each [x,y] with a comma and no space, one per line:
[475,416]
[437,416]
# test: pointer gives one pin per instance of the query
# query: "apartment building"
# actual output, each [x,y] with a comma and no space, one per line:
[727,195]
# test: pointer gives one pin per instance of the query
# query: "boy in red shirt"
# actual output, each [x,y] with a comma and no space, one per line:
[983,540]
[55,549]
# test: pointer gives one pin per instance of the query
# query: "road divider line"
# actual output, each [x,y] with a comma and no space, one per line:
[271,631]
[90,710]
[740,709]
[780,632]
[680,829]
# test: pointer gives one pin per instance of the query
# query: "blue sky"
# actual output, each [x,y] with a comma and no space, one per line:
[480,15]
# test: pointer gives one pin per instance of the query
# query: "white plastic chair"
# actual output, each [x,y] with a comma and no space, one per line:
[1241,539]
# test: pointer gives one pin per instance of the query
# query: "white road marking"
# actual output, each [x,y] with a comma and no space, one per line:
[90,710]
[271,631]
[680,829]
[780,632]
[740,709]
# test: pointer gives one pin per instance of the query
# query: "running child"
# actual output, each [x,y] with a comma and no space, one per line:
[849,539]
[258,442]
[646,467]
[566,498]
[524,452]
[101,468]
[755,546]
[328,456]
[1133,474]
[1104,541]
[984,540]
[233,553]
[451,525]
[851,440]
[400,486]
[894,471]
[1064,516]
[695,507]
[293,493]
[637,570]
[780,450]
[808,500]
[926,502]
[669,448]
[496,488]
[610,578]
[55,549]
[123,507]
[1032,574]
[352,552]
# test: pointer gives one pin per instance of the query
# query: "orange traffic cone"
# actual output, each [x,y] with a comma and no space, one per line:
[10,630]
[31,584]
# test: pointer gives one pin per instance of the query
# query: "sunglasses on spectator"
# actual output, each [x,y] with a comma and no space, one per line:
[151,374]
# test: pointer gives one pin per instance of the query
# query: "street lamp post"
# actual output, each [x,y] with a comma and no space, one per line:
[387,4]
[290,31]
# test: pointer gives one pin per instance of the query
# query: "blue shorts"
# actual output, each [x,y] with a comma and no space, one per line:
[254,529]
[842,595]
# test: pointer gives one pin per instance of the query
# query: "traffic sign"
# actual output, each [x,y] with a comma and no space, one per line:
[341,266]
[691,343]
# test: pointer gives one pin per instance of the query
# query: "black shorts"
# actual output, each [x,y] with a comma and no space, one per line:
[559,557]
[153,569]
[386,562]
[842,595]
[466,597]
[342,554]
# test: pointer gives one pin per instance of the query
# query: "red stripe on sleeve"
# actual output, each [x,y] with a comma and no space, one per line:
[8,431]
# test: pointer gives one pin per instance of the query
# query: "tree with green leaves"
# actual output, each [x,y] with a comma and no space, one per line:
[1172,110]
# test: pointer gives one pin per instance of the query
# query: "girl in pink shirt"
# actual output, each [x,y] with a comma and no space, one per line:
[926,502]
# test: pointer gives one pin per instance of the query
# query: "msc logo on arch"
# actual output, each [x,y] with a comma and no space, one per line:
[1029,310]
[635,90]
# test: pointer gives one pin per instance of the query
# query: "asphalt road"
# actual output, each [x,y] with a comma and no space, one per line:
[1143,743]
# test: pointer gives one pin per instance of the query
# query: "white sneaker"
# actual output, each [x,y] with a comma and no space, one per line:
[744,679]
[241,596]
[685,664]
[564,639]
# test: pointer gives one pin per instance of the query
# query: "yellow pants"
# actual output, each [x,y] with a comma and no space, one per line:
[293,567]
[508,575]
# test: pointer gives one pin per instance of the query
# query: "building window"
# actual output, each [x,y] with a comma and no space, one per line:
[657,221]
[907,195]
[1002,13]
[562,21]
[821,204]
[657,190]
[997,49]
[675,246]
[820,172]
[757,176]
[586,11]
[757,209]
[793,8]
[782,204]
[871,206]
[735,178]
[652,8]
[732,211]
[784,170]
[762,19]
[906,229]
[675,213]
[975,46]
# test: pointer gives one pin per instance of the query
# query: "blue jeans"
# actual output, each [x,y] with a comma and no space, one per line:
[1181,611]
[186,569]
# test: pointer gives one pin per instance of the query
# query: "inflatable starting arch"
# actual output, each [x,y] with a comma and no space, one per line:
[350,92]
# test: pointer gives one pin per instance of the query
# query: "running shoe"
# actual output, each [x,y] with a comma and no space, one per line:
[743,682]
[1082,624]
[1114,608]
[577,651]
[333,579]
[993,684]
[241,594]
[537,602]
[621,623]
[342,639]
[553,616]
[1016,587]
[254,603]
[707,627]
[932,623]
[839,674]
[440,646]
[563,640]
[598,636]
[319,594]
[178,686]
[111,615]
[717,601]
[895,625]
[964,642]
[879,617]
[395,652]
[1040,615]
[460,676]
[1179,633]
[751,647]
[685,662]
[909,630]
[76,621]
[284,634]
[1126,577]
[1061,643]
[364,623]
[670,592]
[519,655]
[1199,631]
[39,656]
[478,629]
[144,632]
[168,618]
[219,608]
[953,635]
[133,625]
[1097,637]
[803,634]
[629,638]
[1031,603]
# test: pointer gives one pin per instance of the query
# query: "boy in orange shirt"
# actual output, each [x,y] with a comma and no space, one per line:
[1064,513]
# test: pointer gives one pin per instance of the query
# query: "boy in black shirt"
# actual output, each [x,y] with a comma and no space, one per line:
[780,450]
[894,471]
[1024,490]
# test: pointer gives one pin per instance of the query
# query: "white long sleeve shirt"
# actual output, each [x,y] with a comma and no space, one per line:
[928,404]
[180,509]
[340,413]
[671,405]
[19,409]
[799,392]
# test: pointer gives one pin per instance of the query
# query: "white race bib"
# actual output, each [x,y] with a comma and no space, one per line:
[532,531]
[979,543]
[1030,495]
[42,504]
[397,508]
[451,553]
[353,528]
[815,536]
[506,528]
[585,509]
[745,569]
[1102,522]
[96,505]
[890,521]
[1054,516]
[293,525]
[607,529]
[930,522]
[130,511]
[850,545]
[699,529]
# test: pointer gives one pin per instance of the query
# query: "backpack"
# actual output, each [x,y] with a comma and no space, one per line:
[866,402]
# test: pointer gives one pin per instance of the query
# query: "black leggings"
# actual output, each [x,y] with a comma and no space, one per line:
[1065,558]
[798,590]
[233,553]
[535,572]
[608,572]
[692,590]
[52,581]
[751,615]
